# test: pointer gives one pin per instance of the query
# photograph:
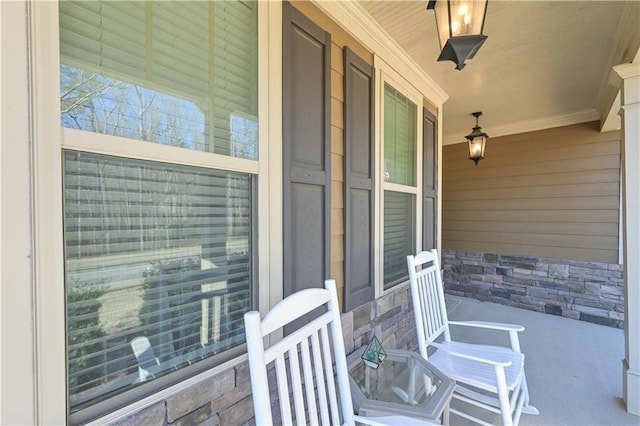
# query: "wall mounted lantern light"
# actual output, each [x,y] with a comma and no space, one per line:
[477,140]
[460,24]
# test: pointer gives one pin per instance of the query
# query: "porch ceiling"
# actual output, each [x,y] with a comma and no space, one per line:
[544,64]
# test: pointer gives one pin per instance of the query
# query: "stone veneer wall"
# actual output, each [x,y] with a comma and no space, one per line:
[225,399]
[587,291]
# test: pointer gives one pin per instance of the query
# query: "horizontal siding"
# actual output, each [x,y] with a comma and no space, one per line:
[552,193]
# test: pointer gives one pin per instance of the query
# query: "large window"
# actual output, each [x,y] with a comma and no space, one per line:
[159,241]
[400,177]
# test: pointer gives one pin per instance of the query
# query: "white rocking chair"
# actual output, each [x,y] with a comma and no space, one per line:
[304,364]
[490,377]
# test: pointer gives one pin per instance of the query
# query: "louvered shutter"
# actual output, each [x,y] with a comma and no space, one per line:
[430,182]
[359,167]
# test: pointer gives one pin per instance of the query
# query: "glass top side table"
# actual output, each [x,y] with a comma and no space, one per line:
[403,384]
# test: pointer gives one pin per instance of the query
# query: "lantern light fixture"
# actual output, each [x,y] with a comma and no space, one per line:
[477,140]
[460,25]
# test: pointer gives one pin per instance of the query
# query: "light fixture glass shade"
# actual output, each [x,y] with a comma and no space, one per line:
[476,149]
[460,24]
[477,140]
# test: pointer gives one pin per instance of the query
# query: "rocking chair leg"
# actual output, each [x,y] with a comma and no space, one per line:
[527,409]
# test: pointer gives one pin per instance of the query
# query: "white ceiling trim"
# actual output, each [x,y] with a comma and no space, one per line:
[612,121]
[530,125]
[357,22]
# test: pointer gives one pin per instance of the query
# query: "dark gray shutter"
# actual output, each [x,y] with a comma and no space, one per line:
[358,180]
[306,151]
[430,181]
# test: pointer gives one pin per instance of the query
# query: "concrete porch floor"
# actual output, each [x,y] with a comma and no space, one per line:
[574,368]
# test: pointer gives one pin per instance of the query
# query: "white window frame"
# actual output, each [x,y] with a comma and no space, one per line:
[386,74]
[49,140]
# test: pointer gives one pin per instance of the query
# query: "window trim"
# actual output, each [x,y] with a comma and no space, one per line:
[386,74]
[49,139]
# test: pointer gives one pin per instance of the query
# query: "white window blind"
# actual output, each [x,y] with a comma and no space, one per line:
[399,138]
[400,178]
[399,235]
[153,251]
[166,72]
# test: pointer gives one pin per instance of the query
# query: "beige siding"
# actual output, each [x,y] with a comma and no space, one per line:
[552,193]
[339,39]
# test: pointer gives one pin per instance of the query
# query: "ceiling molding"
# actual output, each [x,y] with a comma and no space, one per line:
[530,125]
[357,22]
[627,70]
[612,121]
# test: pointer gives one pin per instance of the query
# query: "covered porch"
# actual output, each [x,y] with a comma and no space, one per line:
[573,367]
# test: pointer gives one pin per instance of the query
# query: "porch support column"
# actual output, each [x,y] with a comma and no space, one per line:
[630,113]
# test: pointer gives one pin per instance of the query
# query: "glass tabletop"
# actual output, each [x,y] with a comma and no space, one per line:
[404,383]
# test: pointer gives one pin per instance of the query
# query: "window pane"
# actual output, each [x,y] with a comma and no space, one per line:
[175,73]
[399,138]
[399,236]
[157,269]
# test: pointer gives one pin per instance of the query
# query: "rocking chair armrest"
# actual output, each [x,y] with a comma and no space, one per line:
[505,362]
[489,325]
[390,421]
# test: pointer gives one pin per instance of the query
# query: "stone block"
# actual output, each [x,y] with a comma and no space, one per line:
[598,303]
[592,289]
[616,267]
[568,313]
[577,271]
[518,262]
[524,300]
[388,317]
[199,394]
[591,311]
[214,421]
[542,267]
[494,279]
[603,273]
[403,341]
[401,297]
[347,330]
[384,304]
[153,415]
[242,389]
[489,269]
[540,274]
[553,309]
[521,281]
[512,289]
[576,286]
[473,269]
[522,271]
[507,272]
[470,255]
[535,307]
[598,265]
[501,294]
[537,292]
[361,316]
[238,413]
[490,258]
[566,297]
[616,315]
[598,320]
[552,285]
[558,271]
[195,417]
